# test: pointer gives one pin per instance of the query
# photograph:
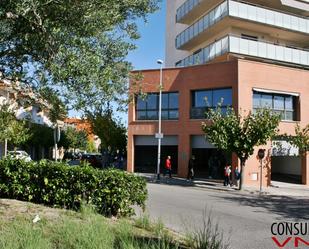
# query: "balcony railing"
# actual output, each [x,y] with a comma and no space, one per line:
[251,48]
[243,11]
[185,8]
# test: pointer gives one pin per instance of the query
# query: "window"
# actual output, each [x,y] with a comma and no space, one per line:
[203,99]
[148,108]
[282,104]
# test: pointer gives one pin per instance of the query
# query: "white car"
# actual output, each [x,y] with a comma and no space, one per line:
[20,154]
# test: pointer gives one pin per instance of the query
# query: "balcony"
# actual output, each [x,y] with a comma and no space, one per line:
[244,16]
[191,9]
[259,50]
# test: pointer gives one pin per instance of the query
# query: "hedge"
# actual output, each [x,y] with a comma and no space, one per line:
[111,192]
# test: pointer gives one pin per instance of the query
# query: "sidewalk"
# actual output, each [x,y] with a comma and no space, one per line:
[282,189]
[197,182]
[277,188]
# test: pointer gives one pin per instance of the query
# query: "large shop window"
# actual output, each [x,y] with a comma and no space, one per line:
[283,104]
[205,99]
[148,108]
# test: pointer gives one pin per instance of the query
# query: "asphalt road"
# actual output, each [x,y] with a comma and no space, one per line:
[245,219]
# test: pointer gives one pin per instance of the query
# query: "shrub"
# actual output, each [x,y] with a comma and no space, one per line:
[111,192]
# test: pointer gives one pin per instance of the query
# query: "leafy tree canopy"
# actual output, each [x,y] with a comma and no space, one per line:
[240,134]
[74,139]
[12,129]
[301,138]
[76,46]
[109,129]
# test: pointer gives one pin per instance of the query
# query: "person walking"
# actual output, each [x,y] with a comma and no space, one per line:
[190,175]
[168,166]
[237,176]
[227,173]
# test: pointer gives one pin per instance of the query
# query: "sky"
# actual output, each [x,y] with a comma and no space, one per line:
[151,45]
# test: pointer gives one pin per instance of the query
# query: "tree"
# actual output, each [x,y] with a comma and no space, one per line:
[77,47]
[91,146]
[12,129]
[301,138]
[18,133]
[74,139]
[110,130]
[240,134]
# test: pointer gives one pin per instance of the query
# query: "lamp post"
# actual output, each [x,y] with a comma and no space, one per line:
[159,135]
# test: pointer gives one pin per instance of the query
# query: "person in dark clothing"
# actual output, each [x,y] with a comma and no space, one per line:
[227,173]
[190,175]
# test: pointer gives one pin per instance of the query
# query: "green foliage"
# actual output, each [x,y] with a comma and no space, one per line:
[110,130]
[111,192]
[76,231]
[74,139]
[209,236]
[77,46]
[90,146]
[240,134]
[18,133]
[41,135]
[301,138]
[15,131]
[56,109]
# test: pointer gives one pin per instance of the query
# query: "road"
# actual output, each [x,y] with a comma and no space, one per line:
[246,219]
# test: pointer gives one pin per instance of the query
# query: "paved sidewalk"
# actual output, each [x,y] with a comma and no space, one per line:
[277,188]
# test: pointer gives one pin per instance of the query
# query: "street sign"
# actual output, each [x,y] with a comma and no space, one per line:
[261,154]
[159,135]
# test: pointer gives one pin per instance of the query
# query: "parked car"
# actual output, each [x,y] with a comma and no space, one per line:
[94,159]
[20,154]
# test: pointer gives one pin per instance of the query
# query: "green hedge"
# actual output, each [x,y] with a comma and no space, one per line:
[111,192]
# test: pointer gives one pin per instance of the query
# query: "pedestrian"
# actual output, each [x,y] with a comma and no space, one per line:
[190,175]
[168,166]
[237,175]
[227,173]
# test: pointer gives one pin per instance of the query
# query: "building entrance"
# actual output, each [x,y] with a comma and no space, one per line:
[146,158]
[146,153]
[210,161]
[285,162]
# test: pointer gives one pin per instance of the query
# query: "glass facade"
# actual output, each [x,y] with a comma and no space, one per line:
[282,104]
[243,11]
[204,99]
[148,108]
[238,45]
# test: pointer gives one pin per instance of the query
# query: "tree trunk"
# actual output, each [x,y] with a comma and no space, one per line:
[242,166]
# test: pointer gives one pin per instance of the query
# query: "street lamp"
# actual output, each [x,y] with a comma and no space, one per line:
[159,135]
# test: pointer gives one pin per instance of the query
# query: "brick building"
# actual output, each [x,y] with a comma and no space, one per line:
[252,54]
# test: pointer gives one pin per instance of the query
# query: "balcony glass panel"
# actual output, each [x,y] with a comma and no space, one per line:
[245,11]
[185,8]
[267,16]
[202,24]
[238,45]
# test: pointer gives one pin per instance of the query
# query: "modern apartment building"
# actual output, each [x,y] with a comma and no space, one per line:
[250,54]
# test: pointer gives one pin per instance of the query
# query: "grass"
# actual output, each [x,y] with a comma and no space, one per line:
[79,230]
[63,229]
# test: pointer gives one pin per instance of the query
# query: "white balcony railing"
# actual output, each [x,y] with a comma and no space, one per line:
[251,48]
[243,11]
